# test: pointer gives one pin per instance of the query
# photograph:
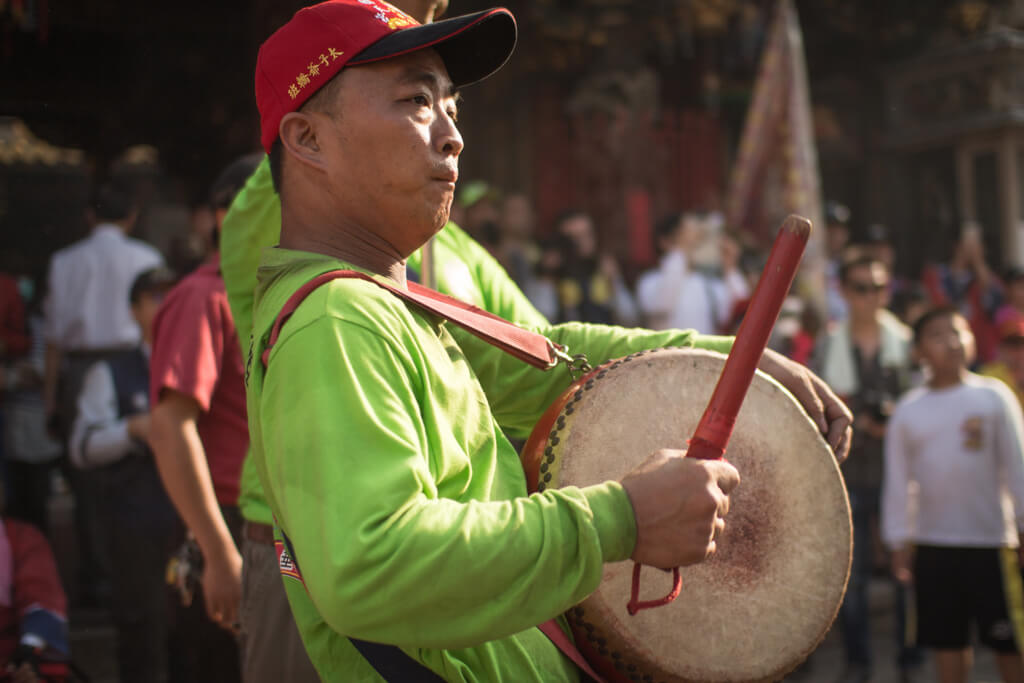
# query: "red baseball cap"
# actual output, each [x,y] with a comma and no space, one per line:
[304,54]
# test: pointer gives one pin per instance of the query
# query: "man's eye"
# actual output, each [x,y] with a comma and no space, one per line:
[421,100]
[453,114]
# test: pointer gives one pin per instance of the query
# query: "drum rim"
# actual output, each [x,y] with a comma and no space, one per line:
[611,662]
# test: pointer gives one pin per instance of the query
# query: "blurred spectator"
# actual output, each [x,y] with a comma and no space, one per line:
[475,210]
[837,236]
[517,251]
[1013,283]
[14,340]
[87,311]
[880,246]
[866,360]
[968,283]
[109,437]
[33,609]
[801,347]
[200,436]
[542,287]
[1009,364]
[88,319]
[190,249]
[910,303]
[30,453]
[953,502]
[590,285]
[678,295]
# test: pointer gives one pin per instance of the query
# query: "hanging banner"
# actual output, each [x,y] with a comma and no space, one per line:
[776,170]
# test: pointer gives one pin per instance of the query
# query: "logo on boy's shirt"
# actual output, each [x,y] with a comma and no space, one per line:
[973,433]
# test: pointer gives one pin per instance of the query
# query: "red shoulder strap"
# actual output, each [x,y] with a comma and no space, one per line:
[530,347]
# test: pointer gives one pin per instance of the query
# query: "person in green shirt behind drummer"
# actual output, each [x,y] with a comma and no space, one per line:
[402,513]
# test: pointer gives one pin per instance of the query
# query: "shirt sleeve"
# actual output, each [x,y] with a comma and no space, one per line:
[99,436]
[188,345]
[463,572]
[659,289]
[519,393]
[53,330]
[252,223]
[731,288]
[1009,450]
[896,531]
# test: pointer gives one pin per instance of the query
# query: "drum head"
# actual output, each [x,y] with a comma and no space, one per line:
[764,601]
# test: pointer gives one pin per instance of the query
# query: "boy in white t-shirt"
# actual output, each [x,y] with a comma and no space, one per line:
[953,502]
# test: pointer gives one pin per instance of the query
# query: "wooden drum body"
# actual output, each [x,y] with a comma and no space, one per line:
[764,601]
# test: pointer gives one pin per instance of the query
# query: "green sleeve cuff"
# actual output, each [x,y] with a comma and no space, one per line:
[713,342]
[613,519]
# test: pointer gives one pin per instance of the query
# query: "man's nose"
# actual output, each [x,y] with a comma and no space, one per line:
[449,140]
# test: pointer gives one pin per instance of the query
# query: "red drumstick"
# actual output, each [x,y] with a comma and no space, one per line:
[715,427]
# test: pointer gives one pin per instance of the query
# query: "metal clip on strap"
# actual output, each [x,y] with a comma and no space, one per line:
[578,365]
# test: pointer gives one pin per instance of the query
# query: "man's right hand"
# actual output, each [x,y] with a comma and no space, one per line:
[222,588]
[679,504]
[902,566]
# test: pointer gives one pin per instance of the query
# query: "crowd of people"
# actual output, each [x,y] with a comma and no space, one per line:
[131,383]
[136,375]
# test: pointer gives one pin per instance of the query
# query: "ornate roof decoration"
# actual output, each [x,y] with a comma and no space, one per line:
[19,146]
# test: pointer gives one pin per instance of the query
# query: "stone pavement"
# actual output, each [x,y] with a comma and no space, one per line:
[93,645]
[826,665]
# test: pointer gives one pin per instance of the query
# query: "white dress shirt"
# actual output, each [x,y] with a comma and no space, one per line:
[87,304]
[674,296]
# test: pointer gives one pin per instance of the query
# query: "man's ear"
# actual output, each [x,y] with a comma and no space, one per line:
[299,137]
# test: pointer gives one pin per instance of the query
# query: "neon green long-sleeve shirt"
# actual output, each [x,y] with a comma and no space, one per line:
[464,270]
[438,516]
[375,432]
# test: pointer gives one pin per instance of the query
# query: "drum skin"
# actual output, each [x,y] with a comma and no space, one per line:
[763,602]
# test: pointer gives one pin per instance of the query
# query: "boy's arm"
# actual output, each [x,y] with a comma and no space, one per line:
[99,436]
[895,523]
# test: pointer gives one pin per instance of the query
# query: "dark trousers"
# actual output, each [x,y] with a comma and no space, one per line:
[855,613]
[139,522]
[95,570]
[206,652]
[28,491]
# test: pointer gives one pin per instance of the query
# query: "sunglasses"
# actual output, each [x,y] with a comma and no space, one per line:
[867,287]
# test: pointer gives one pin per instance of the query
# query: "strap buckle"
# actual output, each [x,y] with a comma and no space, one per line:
[577,364]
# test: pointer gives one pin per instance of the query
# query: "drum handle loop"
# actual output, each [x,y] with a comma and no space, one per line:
[635,604]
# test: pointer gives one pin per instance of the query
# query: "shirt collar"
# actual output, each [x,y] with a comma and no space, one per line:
[107,229]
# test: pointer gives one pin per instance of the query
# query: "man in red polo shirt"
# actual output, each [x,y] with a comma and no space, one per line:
[199,436]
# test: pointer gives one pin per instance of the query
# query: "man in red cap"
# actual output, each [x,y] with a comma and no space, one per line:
[409,547]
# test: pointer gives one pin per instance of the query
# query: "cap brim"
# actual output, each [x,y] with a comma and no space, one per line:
[473,46]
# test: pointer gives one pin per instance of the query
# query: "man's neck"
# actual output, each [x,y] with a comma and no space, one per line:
[346,243]
[109,224]
[865,332]
[947,378]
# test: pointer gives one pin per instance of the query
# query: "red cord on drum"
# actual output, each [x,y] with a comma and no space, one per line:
[635,604]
